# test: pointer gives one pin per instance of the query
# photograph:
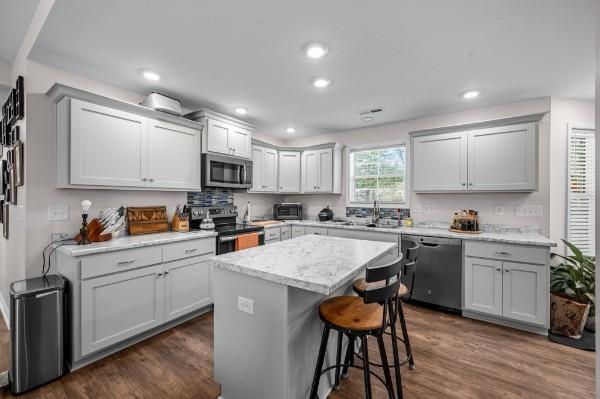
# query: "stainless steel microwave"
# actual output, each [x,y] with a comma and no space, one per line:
[224,171]
[287,211]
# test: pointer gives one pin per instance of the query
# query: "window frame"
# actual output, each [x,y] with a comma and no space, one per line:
[377,146]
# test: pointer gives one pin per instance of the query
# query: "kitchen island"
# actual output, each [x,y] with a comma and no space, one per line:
[266,324]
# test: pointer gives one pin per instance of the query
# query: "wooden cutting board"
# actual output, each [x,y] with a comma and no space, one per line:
[146,220]
[266,222]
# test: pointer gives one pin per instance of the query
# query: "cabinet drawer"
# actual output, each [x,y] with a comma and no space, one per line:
[272,234]
[187,249]
[118,261]
[315,230]
[509,252]
[286,233]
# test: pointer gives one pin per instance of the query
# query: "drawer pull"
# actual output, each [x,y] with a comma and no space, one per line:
[166,272]
[159,274]
[502,253]
[190,251]
[498,269]
[125,262]
[507,271]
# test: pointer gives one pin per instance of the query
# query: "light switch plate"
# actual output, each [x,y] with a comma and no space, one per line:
[532,211]
[499,210]
[246,305]
[58,213]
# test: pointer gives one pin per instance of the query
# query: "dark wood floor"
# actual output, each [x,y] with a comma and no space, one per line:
[456,358]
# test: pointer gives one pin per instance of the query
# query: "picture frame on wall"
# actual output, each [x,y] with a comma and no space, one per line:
[5,218]
[18,163]
[19,98]
[1,211]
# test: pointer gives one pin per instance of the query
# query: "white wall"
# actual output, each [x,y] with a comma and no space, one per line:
[563,112]
[443,205]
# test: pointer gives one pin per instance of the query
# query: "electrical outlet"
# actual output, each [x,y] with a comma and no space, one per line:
[58,213]
[246,305]
[532,211]
[499,210]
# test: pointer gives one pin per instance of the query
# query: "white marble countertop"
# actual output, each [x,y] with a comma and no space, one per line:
[315,263]
[128,242]
[509,237]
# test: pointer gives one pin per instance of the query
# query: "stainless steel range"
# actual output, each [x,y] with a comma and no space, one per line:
[226,225]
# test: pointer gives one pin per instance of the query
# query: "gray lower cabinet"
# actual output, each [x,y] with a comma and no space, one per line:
[286,232]
[297,231]
[315,230]
[125,299]
[187,287]
[119,306]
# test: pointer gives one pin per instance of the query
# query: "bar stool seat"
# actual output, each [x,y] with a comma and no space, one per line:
[351,313]
[361,285]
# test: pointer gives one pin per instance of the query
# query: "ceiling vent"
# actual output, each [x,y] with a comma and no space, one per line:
[370,111]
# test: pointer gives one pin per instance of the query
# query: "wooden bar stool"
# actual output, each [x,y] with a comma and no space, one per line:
[361,285]
[358,318]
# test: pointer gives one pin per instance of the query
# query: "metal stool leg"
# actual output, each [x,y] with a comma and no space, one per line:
[349,357]
[366,371]
[338,360]
[386,368]
[315,385]
[396,361]
[409,354]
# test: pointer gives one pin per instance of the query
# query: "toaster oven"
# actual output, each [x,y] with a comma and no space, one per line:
[287,211]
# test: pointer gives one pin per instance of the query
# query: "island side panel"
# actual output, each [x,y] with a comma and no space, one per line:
[305,330]
[249,350]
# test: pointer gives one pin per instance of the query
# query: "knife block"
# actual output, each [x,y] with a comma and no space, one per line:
[180,225]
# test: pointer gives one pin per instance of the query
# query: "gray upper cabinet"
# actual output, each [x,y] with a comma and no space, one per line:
[502,158]
[289,171]
[224,134]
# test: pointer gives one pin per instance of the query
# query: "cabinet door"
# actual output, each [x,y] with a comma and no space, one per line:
[240,142]
[503,158]
[483,285]
[525,292]
[298,231]
[270,170]
[218,137]
[187,287]
[289,172]
[310,171]
[440,162]
[258,157]
[119,306]
[173,156]
[325,170]
[108,146]
[286,233]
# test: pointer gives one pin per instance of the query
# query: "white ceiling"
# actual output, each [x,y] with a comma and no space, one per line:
[413,58]
[15,16]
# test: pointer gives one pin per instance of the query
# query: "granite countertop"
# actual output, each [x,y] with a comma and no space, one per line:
[315,263]
[509,236]
[128,242]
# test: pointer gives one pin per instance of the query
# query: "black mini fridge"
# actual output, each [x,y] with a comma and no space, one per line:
[36,331]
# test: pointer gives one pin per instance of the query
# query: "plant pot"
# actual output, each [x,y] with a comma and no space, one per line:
[590,324]
[567,317]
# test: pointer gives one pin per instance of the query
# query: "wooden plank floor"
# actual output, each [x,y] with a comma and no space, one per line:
[456,358]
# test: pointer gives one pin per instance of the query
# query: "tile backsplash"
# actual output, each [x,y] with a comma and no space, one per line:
[211,197]
[384,213]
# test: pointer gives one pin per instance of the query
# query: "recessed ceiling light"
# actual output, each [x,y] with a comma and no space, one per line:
[321,82]
[468,95]
[241,110]
[367,119]
[290,130]
[151,75]
[316,50]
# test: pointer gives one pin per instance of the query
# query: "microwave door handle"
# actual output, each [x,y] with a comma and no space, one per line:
[243,175]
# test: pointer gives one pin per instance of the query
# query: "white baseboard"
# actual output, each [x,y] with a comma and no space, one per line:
[536,329]
[5,312]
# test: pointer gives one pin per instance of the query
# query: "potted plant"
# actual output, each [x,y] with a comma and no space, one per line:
[572,285]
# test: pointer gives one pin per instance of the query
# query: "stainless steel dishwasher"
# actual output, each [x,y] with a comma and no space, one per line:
[438,274]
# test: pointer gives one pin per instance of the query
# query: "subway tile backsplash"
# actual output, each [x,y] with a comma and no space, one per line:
[211,197]
[385,213]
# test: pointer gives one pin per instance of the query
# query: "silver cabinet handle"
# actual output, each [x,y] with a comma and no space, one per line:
[144,179]
[159,274]
[190,251]
[151,180]
[502,253]
[125,262]
[464,184]
[470,184]
[506,271]
[166,272]
[498,269]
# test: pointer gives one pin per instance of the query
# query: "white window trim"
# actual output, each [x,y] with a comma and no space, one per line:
[570,127]
[362,147]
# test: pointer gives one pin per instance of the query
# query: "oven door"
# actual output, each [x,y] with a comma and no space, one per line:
[226,244]
[224,171]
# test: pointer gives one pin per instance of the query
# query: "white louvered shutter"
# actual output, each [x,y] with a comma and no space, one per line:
[581,190]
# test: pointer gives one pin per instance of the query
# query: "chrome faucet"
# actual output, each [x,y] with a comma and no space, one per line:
[375,216]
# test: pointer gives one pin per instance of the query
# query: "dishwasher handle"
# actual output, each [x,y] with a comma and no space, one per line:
[429,244]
